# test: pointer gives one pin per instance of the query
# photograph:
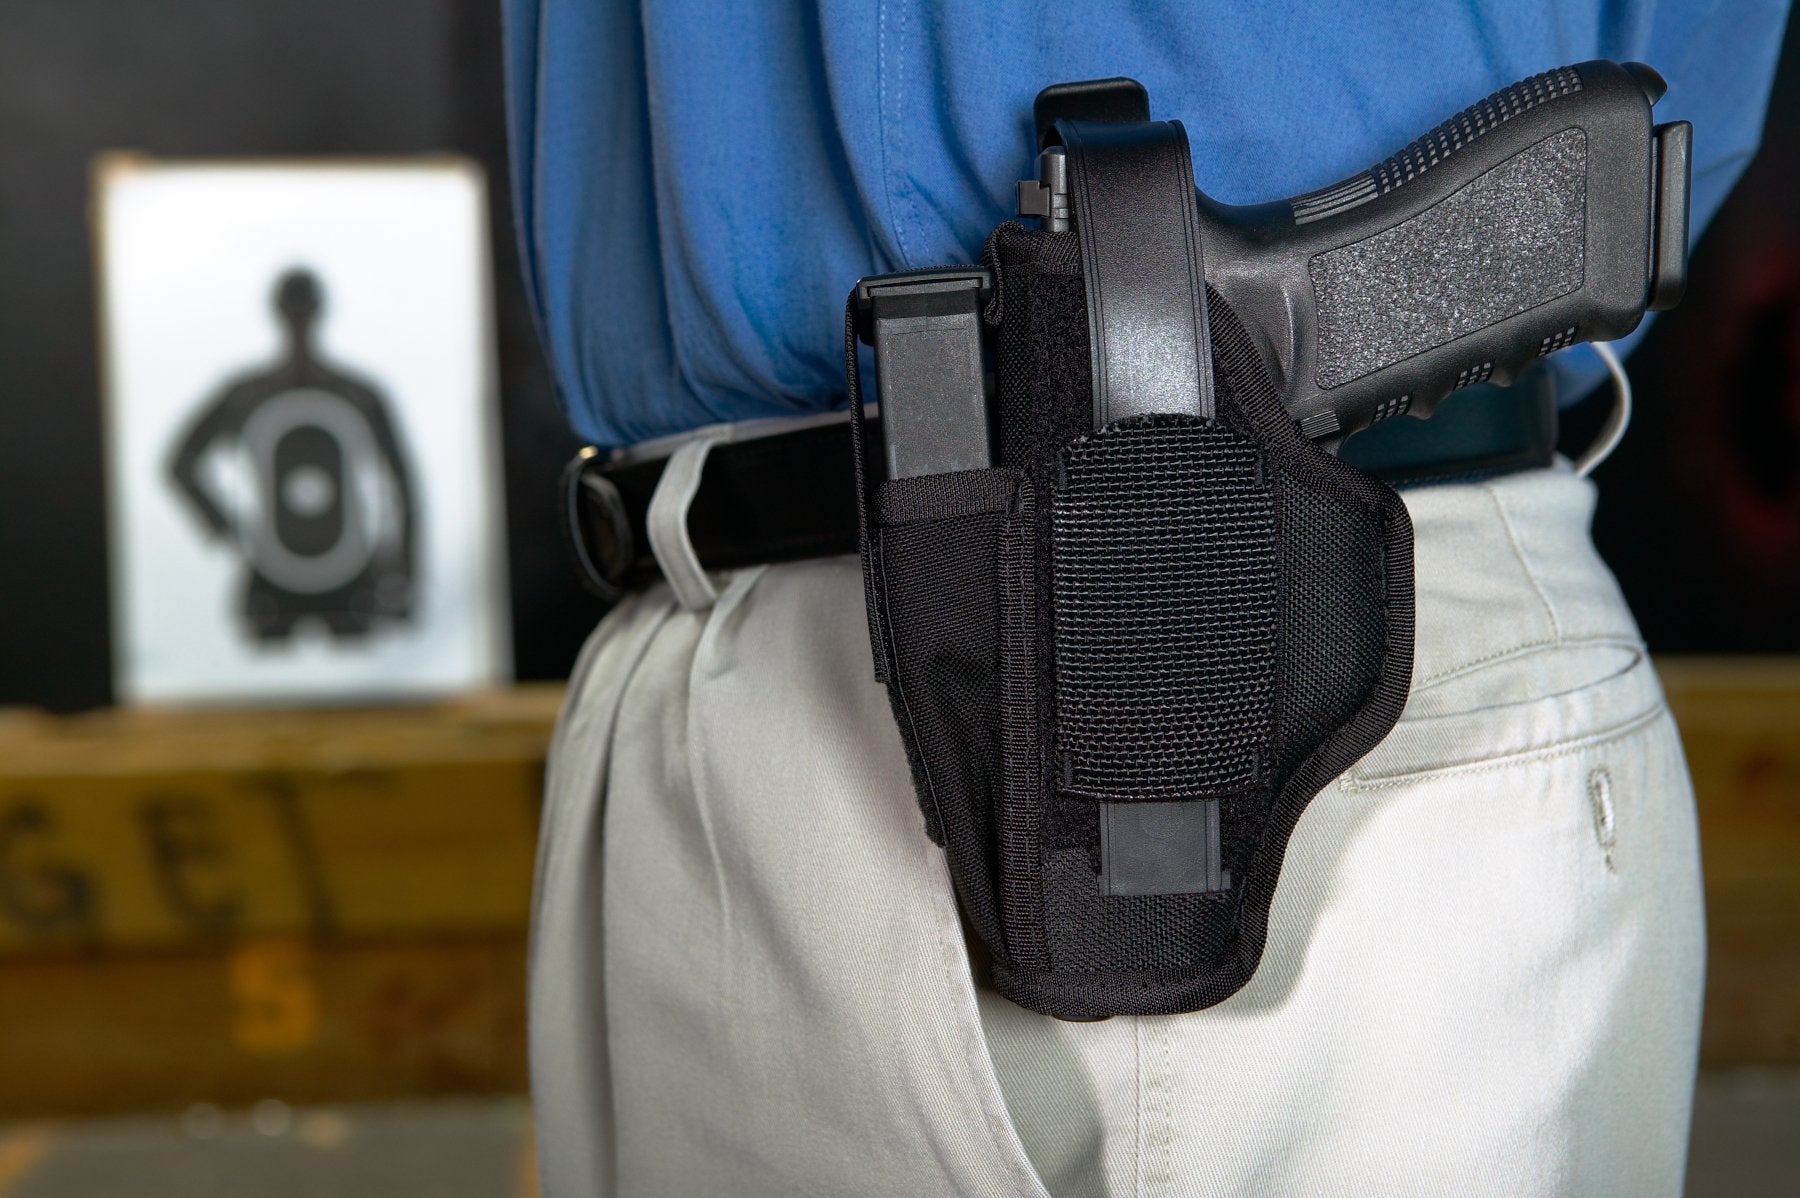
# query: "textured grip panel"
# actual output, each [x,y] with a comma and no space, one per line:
[1434,147]
[1509,240]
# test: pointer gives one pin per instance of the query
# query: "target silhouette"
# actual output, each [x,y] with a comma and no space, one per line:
[324,516]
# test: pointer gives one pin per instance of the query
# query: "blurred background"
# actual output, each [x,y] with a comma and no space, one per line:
[264,947]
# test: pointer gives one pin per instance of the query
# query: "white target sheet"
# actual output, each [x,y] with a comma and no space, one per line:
[302,443]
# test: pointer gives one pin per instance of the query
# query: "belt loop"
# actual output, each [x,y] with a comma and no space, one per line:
[666,521]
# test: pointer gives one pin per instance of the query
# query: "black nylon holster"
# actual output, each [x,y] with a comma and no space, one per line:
[1126,657]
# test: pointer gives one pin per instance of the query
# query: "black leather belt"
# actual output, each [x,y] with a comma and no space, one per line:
[788,495]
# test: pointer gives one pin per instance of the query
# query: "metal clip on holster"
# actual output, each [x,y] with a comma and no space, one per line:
[1130,634]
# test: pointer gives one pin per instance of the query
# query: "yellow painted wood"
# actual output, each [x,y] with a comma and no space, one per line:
[1740,727]
[159,829]
[293,1018]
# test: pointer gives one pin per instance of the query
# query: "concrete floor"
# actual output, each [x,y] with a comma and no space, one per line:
[1746,1140]
[475,1149]
[1746,1144]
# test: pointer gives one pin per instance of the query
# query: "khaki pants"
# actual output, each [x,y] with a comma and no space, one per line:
[1484,961]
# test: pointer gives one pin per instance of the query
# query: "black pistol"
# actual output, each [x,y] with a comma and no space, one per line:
[1552,212]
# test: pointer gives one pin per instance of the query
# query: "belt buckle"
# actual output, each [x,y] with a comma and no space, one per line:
[597,527]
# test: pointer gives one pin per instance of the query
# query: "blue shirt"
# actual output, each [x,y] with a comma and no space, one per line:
[699,183]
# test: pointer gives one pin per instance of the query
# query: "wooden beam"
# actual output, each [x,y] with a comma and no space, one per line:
[1740,727]
[292,1018]
[127,830]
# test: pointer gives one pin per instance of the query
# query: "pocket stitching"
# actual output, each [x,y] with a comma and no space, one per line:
[1525,649]
[1512,539]
[1568,748]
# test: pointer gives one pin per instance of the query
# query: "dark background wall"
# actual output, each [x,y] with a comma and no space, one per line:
[1700,510]
[215,77]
